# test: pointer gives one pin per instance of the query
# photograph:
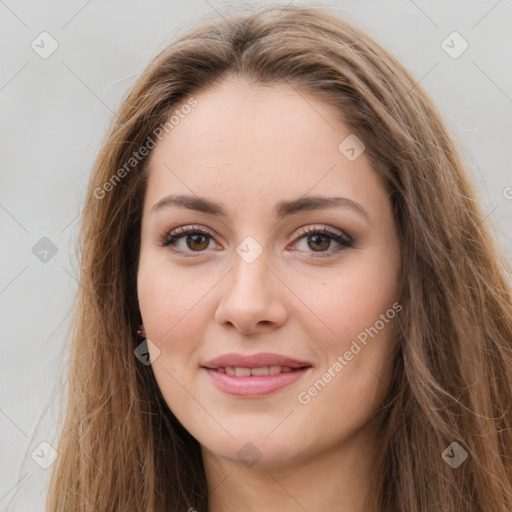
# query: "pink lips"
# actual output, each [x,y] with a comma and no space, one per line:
[281,371]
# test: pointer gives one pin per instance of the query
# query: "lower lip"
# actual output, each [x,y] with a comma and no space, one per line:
[254,385]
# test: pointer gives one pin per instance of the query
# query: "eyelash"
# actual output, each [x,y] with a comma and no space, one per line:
[171,238]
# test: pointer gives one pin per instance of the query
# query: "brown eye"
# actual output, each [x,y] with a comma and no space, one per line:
[187,240]
[197,242]
[319,242]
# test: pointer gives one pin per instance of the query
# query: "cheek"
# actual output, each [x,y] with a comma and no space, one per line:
[347,302]
[170,299]
[358,307]
[356,368]
[173,317]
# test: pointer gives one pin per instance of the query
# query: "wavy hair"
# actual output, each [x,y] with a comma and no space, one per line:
[122,449]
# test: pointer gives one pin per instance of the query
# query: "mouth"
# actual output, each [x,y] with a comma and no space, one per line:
[239,371]
[259,374]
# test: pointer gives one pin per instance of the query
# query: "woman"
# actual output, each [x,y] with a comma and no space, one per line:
[289,299]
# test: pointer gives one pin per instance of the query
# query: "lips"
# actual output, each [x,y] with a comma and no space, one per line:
[254,361]
[262,364]
[253,375]
[241,371]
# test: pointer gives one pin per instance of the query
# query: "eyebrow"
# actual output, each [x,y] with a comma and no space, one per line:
[281,209]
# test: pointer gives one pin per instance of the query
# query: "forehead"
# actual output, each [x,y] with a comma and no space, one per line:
[241,118]
[250,142]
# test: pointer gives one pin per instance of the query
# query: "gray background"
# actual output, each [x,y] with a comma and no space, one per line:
[54,115]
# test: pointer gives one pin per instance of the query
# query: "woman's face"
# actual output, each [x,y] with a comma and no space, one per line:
[271,320]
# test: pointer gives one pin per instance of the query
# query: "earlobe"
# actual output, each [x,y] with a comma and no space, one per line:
[141,331]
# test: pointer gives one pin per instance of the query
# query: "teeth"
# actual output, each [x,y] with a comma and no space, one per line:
[243,372]
[260,371]
[247,372]
[274,370]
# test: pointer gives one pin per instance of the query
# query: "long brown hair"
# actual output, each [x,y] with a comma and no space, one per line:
[121,448]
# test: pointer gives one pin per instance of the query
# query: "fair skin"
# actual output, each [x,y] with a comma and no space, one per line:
[247,148]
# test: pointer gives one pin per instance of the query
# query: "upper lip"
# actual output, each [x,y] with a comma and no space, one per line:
[235,360]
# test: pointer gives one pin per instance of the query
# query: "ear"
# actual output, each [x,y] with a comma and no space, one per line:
[141,331]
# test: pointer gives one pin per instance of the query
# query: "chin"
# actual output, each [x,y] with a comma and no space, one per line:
[256,449]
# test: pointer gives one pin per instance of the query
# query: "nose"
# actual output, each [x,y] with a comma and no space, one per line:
[252,298]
